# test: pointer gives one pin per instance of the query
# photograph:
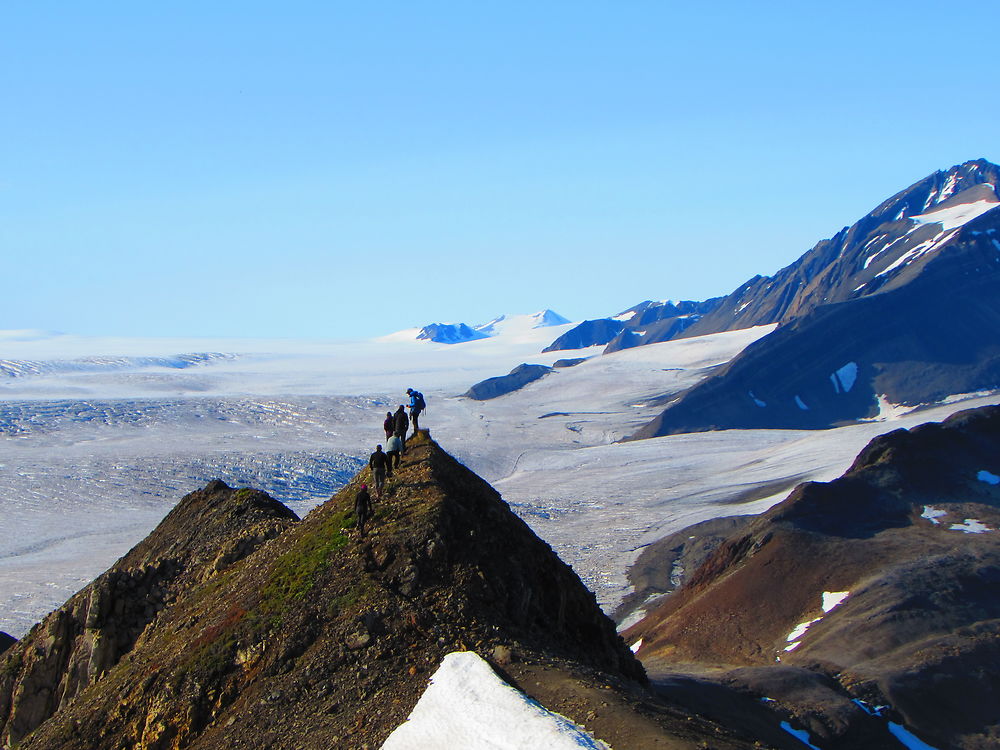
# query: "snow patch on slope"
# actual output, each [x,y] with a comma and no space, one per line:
[831,600]
[468,706]
[988,477]
[954,217]
[844,378]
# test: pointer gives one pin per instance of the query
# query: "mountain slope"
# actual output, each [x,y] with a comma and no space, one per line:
[902,307]
[318,638]
[881,586]
[881,251]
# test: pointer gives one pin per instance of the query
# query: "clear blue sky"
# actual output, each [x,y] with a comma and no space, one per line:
[340,169]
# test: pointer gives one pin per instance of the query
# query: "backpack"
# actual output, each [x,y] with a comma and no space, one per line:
[418,400]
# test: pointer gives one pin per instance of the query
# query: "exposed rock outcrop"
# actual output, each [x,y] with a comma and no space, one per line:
[83,640]
[516,379]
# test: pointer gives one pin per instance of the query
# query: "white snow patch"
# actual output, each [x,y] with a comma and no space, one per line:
[954,217]
[636,646]
[801,404]
[988,477]
[925,247]
[907,738]
[800,630]
[833,599]
[888,411]
[873,240]
[800,734]
[625,316]
[948,189]
[933,514]
[845,378]
[468,706]
[970,526]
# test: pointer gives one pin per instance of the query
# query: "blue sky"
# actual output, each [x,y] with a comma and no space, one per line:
[335,169]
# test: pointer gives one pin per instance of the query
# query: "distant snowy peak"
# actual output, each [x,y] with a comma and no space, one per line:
[503,325]
[449,333]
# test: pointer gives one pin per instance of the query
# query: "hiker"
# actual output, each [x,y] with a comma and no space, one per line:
[362,508]
[393,447]
[417,405]
[389,425]
[379,463]
[400,424]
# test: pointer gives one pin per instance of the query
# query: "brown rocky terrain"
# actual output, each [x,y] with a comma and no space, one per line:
[235,626]
[909,534]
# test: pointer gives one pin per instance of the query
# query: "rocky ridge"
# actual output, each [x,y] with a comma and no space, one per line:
[235,626]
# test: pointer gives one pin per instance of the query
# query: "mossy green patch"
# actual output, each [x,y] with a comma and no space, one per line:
[296,571]
[293,575]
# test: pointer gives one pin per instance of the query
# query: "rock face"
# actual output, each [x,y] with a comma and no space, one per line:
[229,634]
[588,333]
[83,640]
[902,308]
[516,379]
[907,542]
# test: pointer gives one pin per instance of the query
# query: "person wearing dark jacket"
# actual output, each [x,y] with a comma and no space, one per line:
[362,508]
[379,464]
[389,425]
[401,423]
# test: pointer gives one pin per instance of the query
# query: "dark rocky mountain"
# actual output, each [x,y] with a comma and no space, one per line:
[646,323]
[907,541]
[236,626]
[901,307]
[516,379]
[449,333]
[588,333]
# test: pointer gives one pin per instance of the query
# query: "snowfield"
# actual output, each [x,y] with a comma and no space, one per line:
[100,437]
[465,704]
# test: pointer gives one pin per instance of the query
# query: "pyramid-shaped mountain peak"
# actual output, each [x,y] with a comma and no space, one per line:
[234,623]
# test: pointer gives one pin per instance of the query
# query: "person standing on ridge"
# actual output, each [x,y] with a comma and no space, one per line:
[362,508]
[400,424]
[379,463]
[389,425]
[393,448]
[417,405]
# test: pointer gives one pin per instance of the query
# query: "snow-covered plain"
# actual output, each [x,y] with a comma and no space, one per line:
[100,437]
